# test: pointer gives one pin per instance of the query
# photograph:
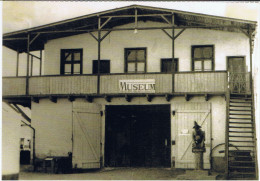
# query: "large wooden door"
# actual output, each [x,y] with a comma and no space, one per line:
[238,78]
[186,114]
[86,135]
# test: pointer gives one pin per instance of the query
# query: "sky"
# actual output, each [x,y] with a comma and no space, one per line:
[17,15]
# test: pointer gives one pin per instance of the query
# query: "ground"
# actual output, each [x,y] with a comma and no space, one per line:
[115,174]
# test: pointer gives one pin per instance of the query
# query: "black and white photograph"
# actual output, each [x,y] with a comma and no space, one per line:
[130,90]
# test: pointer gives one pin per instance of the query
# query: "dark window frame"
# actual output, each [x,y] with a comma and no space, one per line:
[202,59]
[103,60]
[72,62]
[167,59]
[135,61]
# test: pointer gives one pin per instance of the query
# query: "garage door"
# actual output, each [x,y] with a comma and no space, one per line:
[186,114]
[86,135]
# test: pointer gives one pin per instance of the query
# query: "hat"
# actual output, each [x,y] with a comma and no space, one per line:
[196,125]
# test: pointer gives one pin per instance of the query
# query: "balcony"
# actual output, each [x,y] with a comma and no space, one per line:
[82,85]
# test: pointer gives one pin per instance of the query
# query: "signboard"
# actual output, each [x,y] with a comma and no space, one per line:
[137,86]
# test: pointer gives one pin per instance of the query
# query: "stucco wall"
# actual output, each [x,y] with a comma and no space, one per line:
[11,127]
[53,125]
[158,46]
[53,122]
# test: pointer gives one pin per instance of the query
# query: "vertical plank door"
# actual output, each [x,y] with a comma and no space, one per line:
[186,114]
[86,135]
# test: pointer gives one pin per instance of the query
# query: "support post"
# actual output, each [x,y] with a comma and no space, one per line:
[31,65]
[251,52]
[40,62]
[99,51]
[28,59]
[173,67]
[17,64]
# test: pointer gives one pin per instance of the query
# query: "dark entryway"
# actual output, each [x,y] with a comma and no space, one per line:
[138,136]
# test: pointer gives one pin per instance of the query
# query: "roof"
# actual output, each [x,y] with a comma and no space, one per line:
[18,40]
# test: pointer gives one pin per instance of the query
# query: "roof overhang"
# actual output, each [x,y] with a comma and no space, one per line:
[111,19]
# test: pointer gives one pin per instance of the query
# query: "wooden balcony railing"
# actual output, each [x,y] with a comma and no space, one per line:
[194,82]
[160,83]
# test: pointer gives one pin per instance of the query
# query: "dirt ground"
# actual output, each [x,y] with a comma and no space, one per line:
[108,174]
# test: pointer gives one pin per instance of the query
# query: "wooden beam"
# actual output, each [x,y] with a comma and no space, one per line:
[136,18]
[140,15]
[149,97]
[93,36]
[128,98]
[206,97]
[22,113]
[31,65]
[167,33]
[187,97]
[11,39]
[17,64]
[105,22]
[37,35]
[34,56]
[173,54]
[166,20]
[103,37]
[179,33]
[40,62]
[244,32]
[108,98]
[53,99]
[71,98]
[168,97]
[35,99]
[89,99]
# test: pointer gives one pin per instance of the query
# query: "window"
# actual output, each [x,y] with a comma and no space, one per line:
[166,65]
[104,66]
[135,60]
[71,61]
[203,58]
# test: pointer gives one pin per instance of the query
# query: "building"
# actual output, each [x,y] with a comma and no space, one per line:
[123,87]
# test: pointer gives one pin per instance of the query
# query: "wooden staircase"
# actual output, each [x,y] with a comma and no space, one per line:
[241,138]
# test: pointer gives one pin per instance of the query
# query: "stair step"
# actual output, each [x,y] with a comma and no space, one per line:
[234,161]
[251,146]
[241,136]
[241,114]
[238,101]
[240,118]
[241,166]
[241,141]
[241,131]
[239,106]
[240,127]
[246,98]
[243,110]
[240,122]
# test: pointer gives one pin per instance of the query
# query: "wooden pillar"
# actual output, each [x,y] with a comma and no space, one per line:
[173,53]
[251,52]
[28,59]
[40,62]
[99,51]
[17,64]
[31,65]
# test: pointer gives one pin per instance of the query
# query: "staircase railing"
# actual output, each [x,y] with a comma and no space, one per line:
[239,82]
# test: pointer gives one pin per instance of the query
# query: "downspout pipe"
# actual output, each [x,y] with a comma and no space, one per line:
[25,124]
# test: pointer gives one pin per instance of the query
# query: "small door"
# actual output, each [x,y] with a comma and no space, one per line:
[186,114]
[86,151]
[236,67]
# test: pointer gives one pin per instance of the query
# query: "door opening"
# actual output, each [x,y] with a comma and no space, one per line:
[138,136]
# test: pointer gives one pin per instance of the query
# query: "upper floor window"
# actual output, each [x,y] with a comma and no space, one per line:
[135,60]
[104,66]
[71,61]
[166,65]
[203,58]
